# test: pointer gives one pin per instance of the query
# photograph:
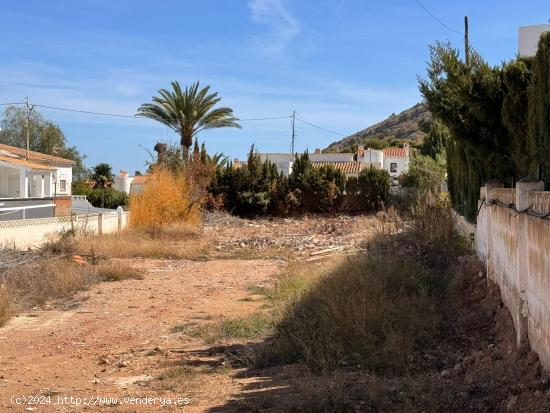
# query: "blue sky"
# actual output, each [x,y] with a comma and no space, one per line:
[341,64]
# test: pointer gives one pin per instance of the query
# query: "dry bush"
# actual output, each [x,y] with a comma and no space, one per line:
[166,198]
[35,284]
[6,305]
[117,271]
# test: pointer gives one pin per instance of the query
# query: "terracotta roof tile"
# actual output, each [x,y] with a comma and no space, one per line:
[395,152]
[349,167]
[25,163]
[35,156]
[140,179]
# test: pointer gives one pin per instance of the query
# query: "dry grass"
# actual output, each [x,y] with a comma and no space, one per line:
[170,242]
[6,305]
[118,271]
[369,311]
[33,285]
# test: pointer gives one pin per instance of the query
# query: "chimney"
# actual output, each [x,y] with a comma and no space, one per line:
[361,151]
[406,147]
[317,151]
[123,173]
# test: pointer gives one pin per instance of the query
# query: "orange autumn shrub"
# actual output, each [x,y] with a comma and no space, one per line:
[166,198]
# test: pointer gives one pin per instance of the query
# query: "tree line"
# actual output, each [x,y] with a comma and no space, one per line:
[496,118]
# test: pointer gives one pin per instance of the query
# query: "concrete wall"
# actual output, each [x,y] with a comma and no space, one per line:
[32,233]
[513,239]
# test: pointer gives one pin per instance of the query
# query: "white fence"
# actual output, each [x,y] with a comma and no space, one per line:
[32,233]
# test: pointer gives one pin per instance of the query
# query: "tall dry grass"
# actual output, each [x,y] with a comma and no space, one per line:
[179,241]
[373,310]
[35,284]
[166,198]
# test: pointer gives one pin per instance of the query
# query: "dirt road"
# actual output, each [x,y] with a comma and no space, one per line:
[114,340]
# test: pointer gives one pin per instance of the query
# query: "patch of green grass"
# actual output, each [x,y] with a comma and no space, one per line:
[252,326]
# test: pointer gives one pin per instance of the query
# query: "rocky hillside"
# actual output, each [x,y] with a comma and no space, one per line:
[401,126]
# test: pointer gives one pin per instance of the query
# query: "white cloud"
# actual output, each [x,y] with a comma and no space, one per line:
[283,27]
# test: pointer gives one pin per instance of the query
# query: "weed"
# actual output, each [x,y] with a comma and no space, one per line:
[117,271]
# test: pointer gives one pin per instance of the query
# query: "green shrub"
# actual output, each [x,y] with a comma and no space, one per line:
[373,188]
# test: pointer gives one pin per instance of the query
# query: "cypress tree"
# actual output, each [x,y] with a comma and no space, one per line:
[539,111]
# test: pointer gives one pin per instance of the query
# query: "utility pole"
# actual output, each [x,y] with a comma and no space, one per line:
[466,42]
[293,132]
[28,110]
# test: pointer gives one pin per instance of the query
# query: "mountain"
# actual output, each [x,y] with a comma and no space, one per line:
[403,126]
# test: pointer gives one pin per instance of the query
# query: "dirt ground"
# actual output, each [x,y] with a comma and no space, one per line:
[117,341]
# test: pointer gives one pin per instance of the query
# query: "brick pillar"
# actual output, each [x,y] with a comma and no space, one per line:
[523,187]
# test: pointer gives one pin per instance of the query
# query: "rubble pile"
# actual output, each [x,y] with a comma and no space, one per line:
[304,236]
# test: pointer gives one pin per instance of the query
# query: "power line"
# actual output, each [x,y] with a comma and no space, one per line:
[275,117]
[320,127]
[433,16]
[12,103]
[86,111]
[118,115]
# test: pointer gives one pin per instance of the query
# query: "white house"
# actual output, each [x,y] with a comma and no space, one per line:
[528,39]
[394,160]
[33,184]
[123,182]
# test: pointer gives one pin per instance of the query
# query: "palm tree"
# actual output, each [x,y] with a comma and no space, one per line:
[188,112]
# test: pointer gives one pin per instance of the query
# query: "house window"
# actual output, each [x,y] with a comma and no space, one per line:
[393,167]
[62,185]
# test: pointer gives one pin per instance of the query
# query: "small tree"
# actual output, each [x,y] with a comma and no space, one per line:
[102,175]
[374,188]
[425,173]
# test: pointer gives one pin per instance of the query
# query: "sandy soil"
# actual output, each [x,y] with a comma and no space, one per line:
[116,338]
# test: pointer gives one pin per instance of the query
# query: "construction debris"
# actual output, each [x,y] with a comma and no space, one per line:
[314,237]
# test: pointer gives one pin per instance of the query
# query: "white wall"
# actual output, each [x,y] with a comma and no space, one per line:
[402,165]
[529,38]
[63,173]
[32,233]
[123,183]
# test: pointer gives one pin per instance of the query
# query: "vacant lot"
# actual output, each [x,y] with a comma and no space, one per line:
[198,319]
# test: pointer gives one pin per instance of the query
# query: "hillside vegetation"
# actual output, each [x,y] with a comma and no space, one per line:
[403,126]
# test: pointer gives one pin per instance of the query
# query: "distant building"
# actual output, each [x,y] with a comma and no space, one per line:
[123,182]
[529,37]
[394,160]
[33,184]
[137,183]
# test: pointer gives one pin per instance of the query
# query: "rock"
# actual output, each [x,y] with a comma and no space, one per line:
[469,378]
[445,373]
[104,360]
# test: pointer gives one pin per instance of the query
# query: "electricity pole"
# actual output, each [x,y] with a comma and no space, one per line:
[28,110]
[466,42]
[293,132]
[27,113]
